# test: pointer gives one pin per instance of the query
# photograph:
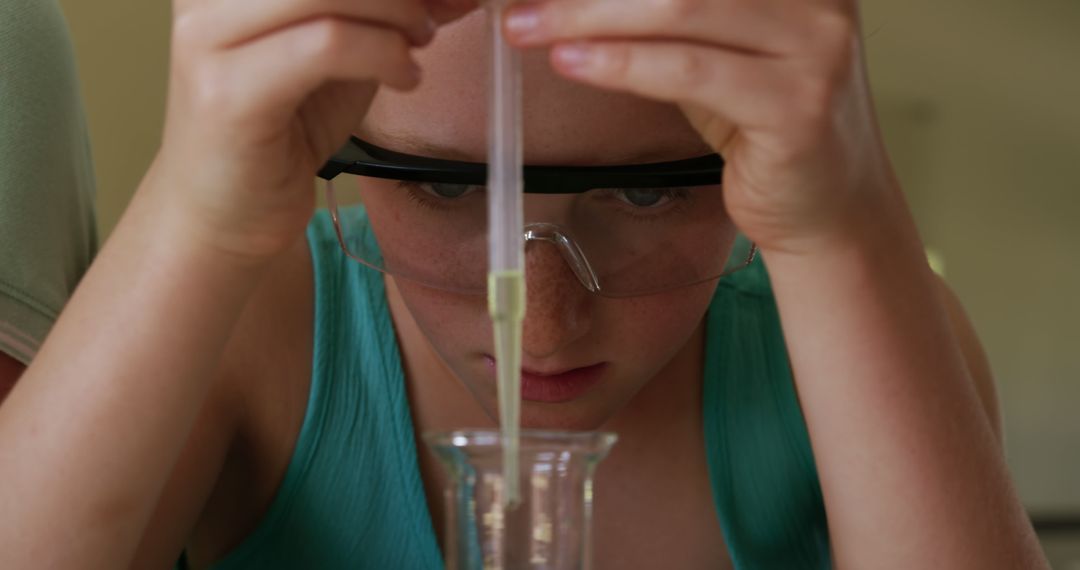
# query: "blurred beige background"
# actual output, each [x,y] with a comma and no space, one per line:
[980,103]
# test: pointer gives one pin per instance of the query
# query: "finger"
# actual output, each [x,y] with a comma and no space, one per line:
[228,23]
[333,112]
[181,8]
[445,11]
[261,84]
[749,90]
[756,26]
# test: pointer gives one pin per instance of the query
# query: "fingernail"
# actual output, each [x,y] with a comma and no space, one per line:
[524,23]
[577,57]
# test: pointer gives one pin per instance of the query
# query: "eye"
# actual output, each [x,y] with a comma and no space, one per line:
[441,190]
[644,197]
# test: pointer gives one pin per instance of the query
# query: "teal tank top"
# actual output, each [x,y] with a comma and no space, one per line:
[352,496]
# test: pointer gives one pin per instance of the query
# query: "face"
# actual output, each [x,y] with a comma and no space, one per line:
[614,347]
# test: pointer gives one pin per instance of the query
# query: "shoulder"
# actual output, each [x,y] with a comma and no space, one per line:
[978,364]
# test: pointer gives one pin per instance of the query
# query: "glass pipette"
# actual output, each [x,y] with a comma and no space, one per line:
[506,267]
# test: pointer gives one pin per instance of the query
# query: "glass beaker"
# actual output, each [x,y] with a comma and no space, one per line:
[549,529]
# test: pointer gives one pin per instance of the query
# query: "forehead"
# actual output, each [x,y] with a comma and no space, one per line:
[564,122]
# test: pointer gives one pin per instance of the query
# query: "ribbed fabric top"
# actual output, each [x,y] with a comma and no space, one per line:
[352,496]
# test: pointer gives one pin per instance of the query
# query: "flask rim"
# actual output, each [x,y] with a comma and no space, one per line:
[529,440]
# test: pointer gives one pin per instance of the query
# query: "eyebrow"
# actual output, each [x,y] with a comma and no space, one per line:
[413,145]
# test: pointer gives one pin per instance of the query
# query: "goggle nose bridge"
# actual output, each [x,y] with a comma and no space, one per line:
[568,248]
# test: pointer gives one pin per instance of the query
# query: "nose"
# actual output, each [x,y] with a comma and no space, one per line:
[558,309]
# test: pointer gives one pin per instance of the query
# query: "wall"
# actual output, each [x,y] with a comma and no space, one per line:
[979,106]
[122,50]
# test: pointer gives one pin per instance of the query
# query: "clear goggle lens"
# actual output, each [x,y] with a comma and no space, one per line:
[617,242]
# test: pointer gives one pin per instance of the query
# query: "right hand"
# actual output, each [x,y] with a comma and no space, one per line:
[261,93]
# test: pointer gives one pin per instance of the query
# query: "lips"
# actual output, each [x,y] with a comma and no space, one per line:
[557,387]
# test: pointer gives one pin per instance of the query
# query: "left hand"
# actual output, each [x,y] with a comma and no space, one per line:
[778,87]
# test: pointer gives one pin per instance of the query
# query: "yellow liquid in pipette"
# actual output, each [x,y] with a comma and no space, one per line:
[506,304]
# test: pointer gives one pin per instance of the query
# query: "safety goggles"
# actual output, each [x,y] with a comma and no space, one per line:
[623,230]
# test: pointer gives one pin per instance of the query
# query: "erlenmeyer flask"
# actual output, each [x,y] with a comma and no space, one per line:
[549,529]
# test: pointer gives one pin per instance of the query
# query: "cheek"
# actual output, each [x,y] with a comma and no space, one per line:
[657,326]
[456,325]
[643,332]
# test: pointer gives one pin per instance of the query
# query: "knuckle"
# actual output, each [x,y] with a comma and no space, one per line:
[209,88]
[187,31]
[815,95]
[826,70]
[616,59]
[674,12]
[691,69]
[837,34]
[327,38]
[196,75]
[816,89]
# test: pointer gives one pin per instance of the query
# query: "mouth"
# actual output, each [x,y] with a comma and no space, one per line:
[556,386]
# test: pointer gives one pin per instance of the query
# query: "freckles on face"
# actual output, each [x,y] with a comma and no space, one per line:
[565,326]
[638,338]
[647,332]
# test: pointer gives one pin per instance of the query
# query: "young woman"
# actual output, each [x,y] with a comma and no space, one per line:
[227,384]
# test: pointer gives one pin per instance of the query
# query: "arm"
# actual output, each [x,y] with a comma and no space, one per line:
[912,473]
[91,434]
[911,468]
[92,431]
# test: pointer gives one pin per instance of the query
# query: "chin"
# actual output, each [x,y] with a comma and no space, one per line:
[567,416]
